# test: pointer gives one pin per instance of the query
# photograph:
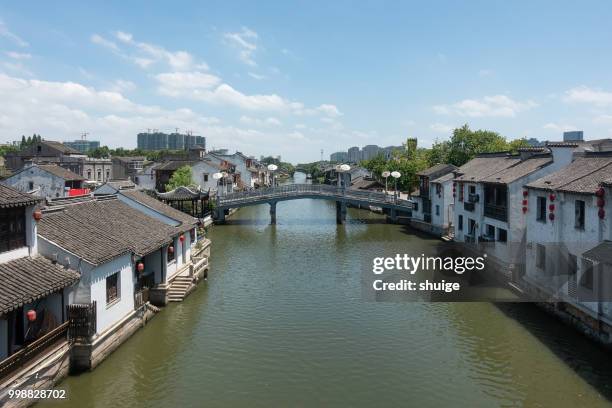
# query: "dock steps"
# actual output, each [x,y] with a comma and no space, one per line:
[179,287]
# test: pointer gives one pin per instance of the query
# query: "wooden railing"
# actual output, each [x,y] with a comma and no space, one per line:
[32,350]
[141,297]
[82,318]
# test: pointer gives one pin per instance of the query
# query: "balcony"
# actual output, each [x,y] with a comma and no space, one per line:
[469,206]
[498,212]
[473,198]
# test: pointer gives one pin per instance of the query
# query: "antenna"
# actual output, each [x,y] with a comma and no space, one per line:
[84,135]
[176,130]
[321,154]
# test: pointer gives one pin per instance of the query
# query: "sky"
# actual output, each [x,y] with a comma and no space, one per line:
[294,78]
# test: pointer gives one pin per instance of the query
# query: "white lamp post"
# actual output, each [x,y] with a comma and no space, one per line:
[218,176]
[386,175]
[395,175]
[341,169]
[272,168]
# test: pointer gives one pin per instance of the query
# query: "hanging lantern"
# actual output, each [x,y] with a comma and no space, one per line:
[600,192]
[551,207]
[524,210]
[140,267]
[182,238]
[551,216]
[37,215]
[552,197]
[524,202]
[601,213]
[601,202]
[31,314]
[170,249]
[525,193]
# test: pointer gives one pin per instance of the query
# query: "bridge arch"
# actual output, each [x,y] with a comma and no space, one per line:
[342,197]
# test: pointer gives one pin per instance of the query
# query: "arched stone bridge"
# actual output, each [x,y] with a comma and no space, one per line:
[340,195]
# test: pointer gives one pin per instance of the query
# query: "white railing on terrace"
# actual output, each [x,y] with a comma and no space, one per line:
[297,190]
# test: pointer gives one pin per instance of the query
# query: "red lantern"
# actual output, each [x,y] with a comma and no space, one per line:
[182,238]
[524,202]
[551,207]
[551,216]
[31,315]
[524,210]
[140,267]
[601,213]
[525,193]
[601,202]
[37,215]
[171,249]
[552,197]
[600,192]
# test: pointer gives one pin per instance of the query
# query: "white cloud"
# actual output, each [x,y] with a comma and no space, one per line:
[146,54]
[18,55]
[271,121]
[329,110]
[6,33]
[485,72]
[177,83]
[584,94]
[256,76]
[489,106]
[246,43]
[121,85]
[558,127]
[441,128]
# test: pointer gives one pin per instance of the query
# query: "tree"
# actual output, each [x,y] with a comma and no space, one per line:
[181,177]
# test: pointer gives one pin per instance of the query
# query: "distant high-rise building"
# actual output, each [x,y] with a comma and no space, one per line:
[354,154]
[573,136]
[369,152]
[83,145]
[338,157]
[172,141]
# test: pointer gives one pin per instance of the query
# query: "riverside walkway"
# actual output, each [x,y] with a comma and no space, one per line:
[342,197]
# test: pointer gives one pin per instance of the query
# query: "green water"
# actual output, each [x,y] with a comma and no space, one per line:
[282,322]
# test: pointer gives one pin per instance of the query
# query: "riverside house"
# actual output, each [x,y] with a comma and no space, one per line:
[34,348]
[47,180]
[433,201]
[488,201]
[569,243]
[124,256]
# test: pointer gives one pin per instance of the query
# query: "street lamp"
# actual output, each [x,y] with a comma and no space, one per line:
[395,175]
[386,175]
[218,176]
[341,169]
[272,168]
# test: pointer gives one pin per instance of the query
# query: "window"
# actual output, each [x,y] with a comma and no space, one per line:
[579,211]
[107,174]
[472,189]
[502,235]
[437,209]
[460,191]
[205,178]
[541,215]
[541,256]
[113,291]
[88,174]
[99,175]
[490,231]
[30,185]
[460,223]
[415,206]
[12,229]
[471,226]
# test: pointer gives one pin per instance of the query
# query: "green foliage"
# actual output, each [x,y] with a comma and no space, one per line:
[288,167]
[181,177]
[29,141]
[7,149]
[151,155]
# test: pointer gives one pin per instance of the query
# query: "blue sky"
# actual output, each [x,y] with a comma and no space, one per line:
[293,78]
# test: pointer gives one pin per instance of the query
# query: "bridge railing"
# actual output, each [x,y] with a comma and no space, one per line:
[287,190]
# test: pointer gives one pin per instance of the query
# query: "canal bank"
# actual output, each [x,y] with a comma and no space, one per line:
[282,321]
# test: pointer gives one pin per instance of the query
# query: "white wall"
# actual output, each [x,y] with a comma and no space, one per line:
[48,184]
[444,201]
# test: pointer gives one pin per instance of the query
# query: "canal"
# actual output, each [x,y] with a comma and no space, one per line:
[282,322]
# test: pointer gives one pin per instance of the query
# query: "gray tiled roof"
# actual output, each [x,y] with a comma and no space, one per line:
[444,178]
[60,172]
[187,221]
[172,165]
[102,229]
[481,167]
[600,253]
[583,175]
[25,280]
[437,170]
[520,169]
[10,197]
